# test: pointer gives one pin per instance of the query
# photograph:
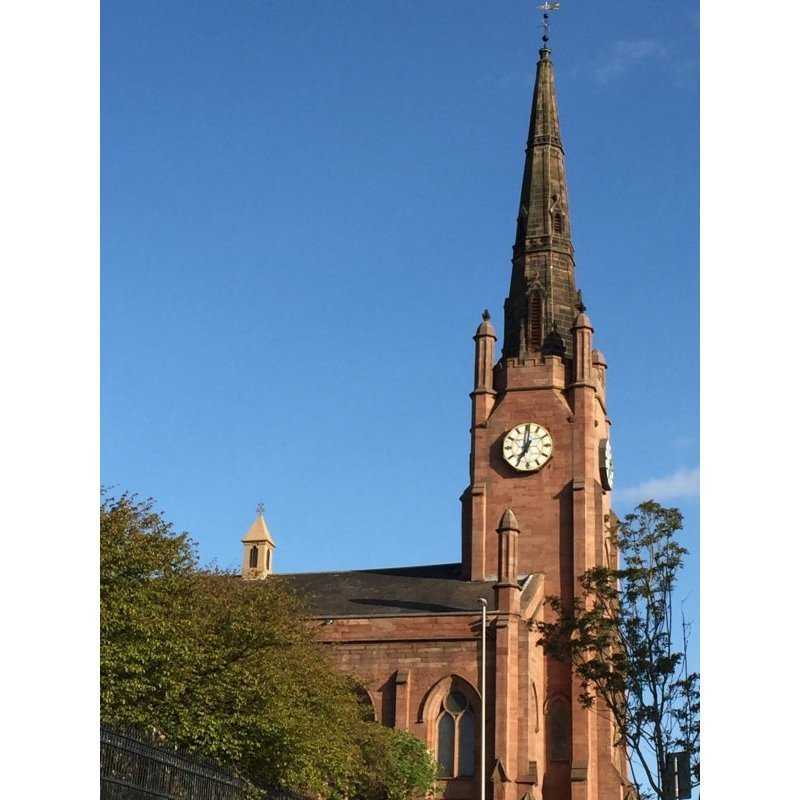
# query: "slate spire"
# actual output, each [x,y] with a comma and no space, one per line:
[540,307]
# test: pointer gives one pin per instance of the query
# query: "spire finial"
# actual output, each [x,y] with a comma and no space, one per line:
[580,304]
[546,8]
[486,315]
[260,508]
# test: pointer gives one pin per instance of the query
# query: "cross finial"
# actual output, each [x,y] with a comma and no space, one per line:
[546,8]
[260,508]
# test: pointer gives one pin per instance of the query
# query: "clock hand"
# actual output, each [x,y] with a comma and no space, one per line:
[525,444]
[523,451]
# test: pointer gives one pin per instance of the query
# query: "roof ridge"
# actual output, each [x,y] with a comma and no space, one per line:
[368,569]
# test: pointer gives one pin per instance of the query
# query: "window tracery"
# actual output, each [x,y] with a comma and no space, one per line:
[455,736]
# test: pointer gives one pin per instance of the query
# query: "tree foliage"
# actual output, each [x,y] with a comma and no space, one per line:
[398,765]
[621,639]
[229,669]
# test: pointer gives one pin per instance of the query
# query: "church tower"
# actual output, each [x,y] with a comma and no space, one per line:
[258,549]
[540,462]
[540,429]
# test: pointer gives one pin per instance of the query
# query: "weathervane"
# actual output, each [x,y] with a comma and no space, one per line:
[546,8]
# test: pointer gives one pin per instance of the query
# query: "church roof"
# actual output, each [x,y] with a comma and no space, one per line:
[435,589]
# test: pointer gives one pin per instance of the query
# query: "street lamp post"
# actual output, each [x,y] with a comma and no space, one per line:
[483,700]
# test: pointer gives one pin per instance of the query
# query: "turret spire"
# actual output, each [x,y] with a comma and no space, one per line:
[540,307]
[258,548]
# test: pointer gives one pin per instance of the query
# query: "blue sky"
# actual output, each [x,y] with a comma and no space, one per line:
[306,206]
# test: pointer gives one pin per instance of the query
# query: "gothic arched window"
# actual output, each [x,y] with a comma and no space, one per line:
[365,705]
[269,559]
[558,222]
[455,737]
[558,729]
[253,557]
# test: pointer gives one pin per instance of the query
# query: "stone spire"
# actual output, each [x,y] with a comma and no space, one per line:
[508,551]
[483,395]
[540,307]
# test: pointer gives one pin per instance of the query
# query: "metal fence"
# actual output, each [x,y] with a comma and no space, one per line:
[133,768]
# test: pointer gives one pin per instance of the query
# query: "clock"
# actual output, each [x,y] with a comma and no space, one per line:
[528,446]
[606,465]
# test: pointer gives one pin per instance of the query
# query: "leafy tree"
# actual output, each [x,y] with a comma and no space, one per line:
[398,766]
[228,669]
[620,638]
[145,572]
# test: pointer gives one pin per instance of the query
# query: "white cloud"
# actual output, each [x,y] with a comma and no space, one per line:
[683,482]
[627,54]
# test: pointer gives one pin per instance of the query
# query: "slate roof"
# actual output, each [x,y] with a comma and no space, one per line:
[435,589]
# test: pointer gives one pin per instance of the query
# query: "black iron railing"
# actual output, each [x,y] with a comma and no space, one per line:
[133,768]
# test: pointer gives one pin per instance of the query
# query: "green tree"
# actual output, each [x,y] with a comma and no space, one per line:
[397,765]
[145,572]
[229,669]
[621,639]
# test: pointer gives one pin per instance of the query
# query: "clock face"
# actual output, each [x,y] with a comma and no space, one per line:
[528,446]
[606,465]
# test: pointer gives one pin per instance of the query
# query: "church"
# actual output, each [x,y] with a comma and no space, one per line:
[534,516]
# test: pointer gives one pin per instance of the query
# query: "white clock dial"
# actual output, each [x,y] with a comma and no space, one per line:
[606,465]
[528,446]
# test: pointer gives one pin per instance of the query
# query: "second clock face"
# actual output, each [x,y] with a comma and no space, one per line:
[606,465]
[528,447]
